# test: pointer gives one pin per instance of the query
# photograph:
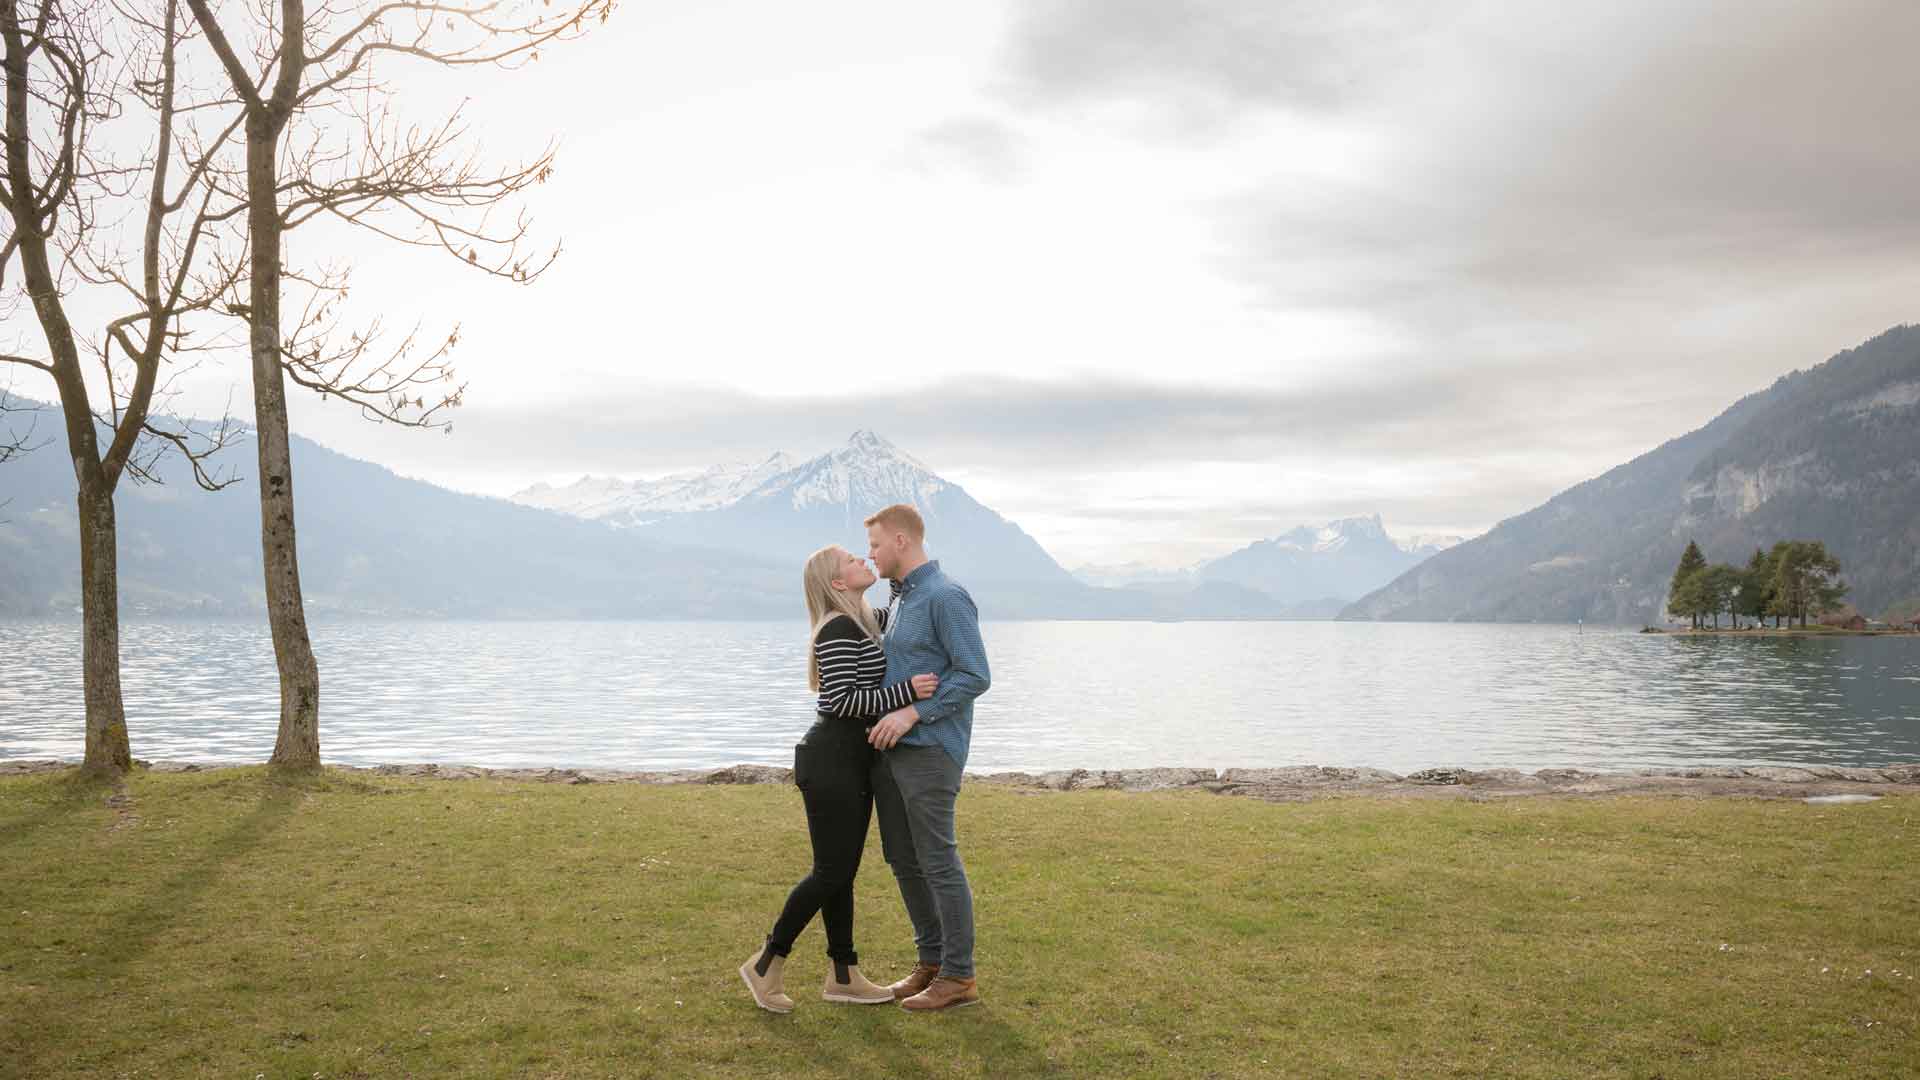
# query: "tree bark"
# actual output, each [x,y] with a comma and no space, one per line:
[108,753]
[298,743]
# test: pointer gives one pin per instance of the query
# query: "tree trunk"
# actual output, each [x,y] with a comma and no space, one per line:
[298,743]
[107,751]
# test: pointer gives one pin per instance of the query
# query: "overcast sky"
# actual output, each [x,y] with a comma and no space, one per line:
[1156,279]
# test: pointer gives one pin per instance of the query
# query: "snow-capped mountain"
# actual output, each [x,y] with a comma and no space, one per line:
[1137,575]
[639,502]
[1301,545]
[1358,533]
[588,497]
[371,543]
[867,472]
[784,511]
[1425,544]
[1336,561]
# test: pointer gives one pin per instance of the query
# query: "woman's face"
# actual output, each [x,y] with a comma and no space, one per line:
[853,575]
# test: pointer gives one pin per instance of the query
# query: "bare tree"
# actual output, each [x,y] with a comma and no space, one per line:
[307,75]
[65,200]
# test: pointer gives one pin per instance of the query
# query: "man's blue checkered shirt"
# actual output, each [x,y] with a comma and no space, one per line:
[936,628]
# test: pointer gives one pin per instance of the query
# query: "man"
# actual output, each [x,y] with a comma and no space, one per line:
[916,779]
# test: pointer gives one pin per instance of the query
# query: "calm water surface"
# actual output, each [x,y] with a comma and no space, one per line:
[653,695]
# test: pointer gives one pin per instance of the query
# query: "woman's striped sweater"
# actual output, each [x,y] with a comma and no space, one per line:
[851,668]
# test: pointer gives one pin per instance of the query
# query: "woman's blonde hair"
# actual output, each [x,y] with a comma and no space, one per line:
[824,602]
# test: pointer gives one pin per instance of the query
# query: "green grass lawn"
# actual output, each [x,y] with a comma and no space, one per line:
[228,924]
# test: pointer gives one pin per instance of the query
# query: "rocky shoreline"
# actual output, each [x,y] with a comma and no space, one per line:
[1295,783]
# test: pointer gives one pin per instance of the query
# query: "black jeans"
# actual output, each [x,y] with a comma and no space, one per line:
[832,766]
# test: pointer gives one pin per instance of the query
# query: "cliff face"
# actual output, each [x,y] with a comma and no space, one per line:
[1733,491]
[1829,454]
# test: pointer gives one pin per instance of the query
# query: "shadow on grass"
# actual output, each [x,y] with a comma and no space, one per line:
[68,793]
[1001,1046]
[137,928]
[128,933]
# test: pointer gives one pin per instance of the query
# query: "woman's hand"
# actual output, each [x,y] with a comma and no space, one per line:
[924,686]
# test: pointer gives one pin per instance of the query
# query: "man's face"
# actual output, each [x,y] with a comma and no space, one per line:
[882,550]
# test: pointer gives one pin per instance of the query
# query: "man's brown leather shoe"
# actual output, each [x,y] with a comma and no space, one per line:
[945,992]
[916,981]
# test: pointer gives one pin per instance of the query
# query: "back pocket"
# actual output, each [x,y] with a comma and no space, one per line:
[804,764]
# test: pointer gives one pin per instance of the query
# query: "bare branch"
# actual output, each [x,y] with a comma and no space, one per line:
[143,467]
[398,384]
[37,365]
[8,247]
[243,83]
[417,186]
[15,443]
[524,38]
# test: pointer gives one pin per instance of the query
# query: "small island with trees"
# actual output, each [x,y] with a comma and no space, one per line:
[1797,585]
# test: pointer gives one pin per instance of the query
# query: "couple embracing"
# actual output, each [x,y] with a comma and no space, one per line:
[896,688]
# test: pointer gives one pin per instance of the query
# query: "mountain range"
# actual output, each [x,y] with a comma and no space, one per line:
[1317,571]
[641,502]
[1308,572]
[371,543]
[374,543]
[786,515]
[779,507]
[1831,453]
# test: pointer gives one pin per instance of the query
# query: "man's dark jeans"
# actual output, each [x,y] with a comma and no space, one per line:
[914,789]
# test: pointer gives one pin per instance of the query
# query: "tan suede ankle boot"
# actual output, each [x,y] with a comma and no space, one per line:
[854,989]
[769,990]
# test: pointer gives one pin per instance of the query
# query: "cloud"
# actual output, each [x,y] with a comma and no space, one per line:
[632,426]
[1568,232]
[978,146]
[1430,447]
[1206,57]
[1635,183]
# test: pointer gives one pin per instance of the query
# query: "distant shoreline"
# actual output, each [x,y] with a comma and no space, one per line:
[1295,783]
[1797,631]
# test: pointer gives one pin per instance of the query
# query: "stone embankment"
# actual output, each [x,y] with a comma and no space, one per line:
[1289,784]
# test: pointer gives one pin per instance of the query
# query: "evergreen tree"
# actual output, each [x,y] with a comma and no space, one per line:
[1782,581]
[1756,587]
[1790,580]
[1680,599]
[1690,599]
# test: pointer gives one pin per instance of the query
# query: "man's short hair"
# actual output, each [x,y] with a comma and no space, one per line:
[900,517]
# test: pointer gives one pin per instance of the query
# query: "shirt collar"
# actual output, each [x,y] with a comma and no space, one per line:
[917,578]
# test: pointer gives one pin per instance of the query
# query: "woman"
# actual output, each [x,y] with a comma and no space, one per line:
[831,765]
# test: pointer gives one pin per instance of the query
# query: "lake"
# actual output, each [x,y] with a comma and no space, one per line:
[665,695]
